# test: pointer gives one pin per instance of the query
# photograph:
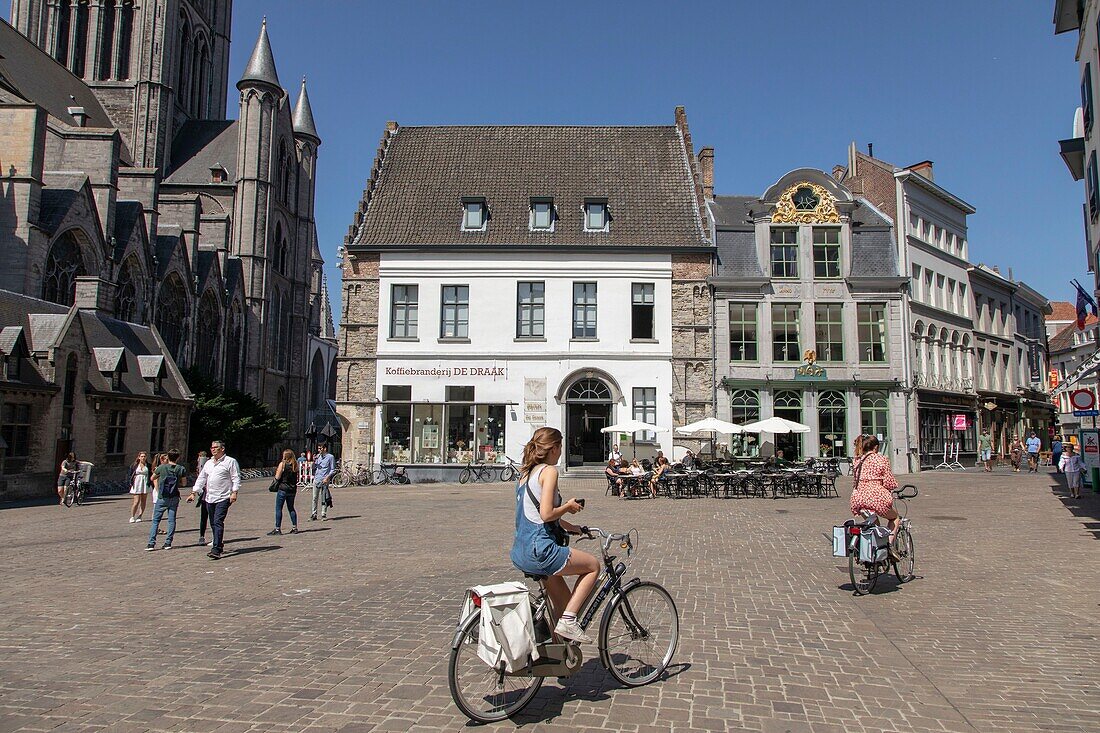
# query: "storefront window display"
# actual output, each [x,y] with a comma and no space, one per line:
[490,433]
[428,433]
[457,431]
[788,405]
[744,408]
[832,416]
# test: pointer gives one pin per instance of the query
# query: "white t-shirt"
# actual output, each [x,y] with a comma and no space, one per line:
[614,455]
[530,508]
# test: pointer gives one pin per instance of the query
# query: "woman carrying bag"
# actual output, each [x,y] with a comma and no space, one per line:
[285,487]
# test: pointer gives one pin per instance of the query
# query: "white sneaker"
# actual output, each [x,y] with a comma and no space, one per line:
[137,519]
[133,519]
[210,543]
[572,630]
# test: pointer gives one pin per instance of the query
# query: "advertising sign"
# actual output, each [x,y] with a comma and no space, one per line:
[1090,448]
[534,401]
[959,422]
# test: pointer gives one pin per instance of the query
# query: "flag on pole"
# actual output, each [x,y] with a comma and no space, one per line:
[1084,301]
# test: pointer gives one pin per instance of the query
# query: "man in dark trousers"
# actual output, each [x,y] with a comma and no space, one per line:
[218,482]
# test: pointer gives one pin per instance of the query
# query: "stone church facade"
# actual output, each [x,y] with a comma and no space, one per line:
[127,193]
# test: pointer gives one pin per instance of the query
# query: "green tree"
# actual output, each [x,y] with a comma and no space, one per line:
[248,426]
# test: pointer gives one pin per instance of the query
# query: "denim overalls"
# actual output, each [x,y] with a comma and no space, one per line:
[534,550]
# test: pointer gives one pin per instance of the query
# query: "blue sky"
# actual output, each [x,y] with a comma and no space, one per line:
[771,86]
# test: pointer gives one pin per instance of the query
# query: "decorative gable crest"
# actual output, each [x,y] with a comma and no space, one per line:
[806,203]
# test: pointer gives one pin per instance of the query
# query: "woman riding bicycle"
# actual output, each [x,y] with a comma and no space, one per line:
[873,482]
[539,547]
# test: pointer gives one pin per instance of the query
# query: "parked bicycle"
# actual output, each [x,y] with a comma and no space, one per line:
[75,490]
[864,568]
[638,635]
[390,473]
[510,472]
[348,474]
[476,472]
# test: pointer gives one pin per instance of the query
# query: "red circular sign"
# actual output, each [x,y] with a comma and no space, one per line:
[1082,399]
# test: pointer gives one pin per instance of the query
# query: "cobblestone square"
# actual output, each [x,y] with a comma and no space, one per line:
[346,626]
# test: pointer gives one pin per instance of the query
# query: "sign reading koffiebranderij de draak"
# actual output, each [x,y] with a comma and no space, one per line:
[447,372]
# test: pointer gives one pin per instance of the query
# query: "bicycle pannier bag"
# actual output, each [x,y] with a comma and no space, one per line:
[873,545]
[840,540]
[507,631]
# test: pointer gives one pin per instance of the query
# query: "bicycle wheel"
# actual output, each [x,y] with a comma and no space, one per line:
[863,575]
[403,479]
[482,693]
[640,633]
[70,495]
[379,477]
[904,567]
[79,499]
[508,474]
[339,480]
[464,476]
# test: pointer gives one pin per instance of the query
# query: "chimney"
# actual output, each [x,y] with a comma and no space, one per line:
[870,150]
[79,115]
[93,293]
[924,168]
[706,167]
[391,126]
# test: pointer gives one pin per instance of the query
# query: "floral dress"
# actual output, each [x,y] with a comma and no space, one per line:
[874,482]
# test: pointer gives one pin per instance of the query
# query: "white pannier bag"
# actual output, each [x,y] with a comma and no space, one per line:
[840,540]
[507,631]
[874,544]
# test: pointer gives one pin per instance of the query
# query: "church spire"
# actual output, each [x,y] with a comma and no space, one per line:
[303,116]
[327,331]
[261,66]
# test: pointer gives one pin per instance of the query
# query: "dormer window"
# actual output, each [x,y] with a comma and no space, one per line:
[595,216]
[11,367]
[542,215]
[218,174]
[474,215]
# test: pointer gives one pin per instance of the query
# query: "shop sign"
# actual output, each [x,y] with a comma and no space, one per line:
[534,401]
[809,371]
[1090,448]
[448,372]
[960,422]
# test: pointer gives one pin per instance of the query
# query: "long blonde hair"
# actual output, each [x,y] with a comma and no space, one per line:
[539,447]
[288,458]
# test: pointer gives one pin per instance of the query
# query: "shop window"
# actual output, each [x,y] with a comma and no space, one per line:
[832,416]
[460,433]
[396,393]
[460,394]
[829,331]
[530,310]
[645,410]
[874,414]
[641,311]
[744,408]
[427,434]
[396,432]
[116,434]
[788,405]
[15,429]
[584,310]
[872,332]
[826,252]
[785,345]
[404,304]
[743,337]
[455,321]
[490,432]
[784,253]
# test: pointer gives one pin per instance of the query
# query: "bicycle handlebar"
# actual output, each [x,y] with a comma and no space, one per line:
[904,493]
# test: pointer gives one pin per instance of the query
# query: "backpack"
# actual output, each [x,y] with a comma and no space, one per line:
[169,487]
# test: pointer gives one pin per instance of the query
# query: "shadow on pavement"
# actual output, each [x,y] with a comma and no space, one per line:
[247,550]
[240,539]
[344,516]
[1087,508]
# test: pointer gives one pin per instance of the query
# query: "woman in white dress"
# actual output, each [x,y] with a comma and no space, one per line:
[139,487]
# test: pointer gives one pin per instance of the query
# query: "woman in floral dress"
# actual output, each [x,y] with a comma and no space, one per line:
[873,482]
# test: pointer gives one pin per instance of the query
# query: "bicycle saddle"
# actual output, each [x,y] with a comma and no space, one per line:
[537,578]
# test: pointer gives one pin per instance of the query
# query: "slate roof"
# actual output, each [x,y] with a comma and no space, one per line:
[737,254]
[642,172]
[10,336]
[128,216]
[873,254]
[105,334]
[261,64]
[167,244]
[733,211]
[303,115]
[150,366]
[46,329]
[107,358]
[61,192]
[199,146]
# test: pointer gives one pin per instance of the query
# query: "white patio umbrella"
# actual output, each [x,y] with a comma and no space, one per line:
[632,427]
[712,425]
[775,425]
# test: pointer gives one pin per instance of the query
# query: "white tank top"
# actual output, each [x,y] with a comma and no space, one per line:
[530,508]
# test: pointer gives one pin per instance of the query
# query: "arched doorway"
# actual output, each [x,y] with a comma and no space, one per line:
[588,404]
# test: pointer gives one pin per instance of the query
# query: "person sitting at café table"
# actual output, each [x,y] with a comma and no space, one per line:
[659,468]
[780,460]
[688,461]
[612,473]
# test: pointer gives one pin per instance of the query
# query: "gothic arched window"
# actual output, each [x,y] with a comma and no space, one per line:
[172,314]
[199,80]
[125,35]
[317,389]
[284,342]
[64,264]
[233,347]
[107,40]
[208,330]
[128,293]
[280,402]
[183,71]
[61,44]
[80,38]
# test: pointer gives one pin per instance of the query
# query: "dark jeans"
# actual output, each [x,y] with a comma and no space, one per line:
[218,510]
[204,518]
[281,498]
[1055,457]
[164,505]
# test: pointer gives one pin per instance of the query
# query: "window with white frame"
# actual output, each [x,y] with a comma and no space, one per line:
[403,311]
[645,410]
[542,215]
[641,311]
[785,345]
[584,310]
[596,218]
[530,310]
[829,331]
[455,316]
[784,253]
[474,215]
[826,252]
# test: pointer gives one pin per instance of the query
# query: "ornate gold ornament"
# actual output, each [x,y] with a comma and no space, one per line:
[806,203]
[810,356]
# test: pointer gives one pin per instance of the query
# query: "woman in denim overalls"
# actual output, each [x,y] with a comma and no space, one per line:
[534,550]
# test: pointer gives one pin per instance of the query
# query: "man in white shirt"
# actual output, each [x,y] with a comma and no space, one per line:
[614,455]
[218,483]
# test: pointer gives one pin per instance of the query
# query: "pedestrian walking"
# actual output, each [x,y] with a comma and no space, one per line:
[139,486]
[1056,453]
[170,478]
[1033,445]
[218,483]
[202,458]
[286,483]
[204,513]
[985,450]
[324,466]
[69,466]
[159,459]
[1016,453]
[1072,465]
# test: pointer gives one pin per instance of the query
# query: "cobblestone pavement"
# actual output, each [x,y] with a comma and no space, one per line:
[346,626]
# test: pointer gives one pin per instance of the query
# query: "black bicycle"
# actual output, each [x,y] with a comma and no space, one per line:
[476,472]
[390,473]
[74,490]
[510,472]
[639,631]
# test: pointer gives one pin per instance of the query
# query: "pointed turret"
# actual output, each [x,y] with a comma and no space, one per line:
[327,331]
[261,66]
[303,116]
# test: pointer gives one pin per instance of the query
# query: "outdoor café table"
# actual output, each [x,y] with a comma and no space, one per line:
[726,481]
[635,487]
